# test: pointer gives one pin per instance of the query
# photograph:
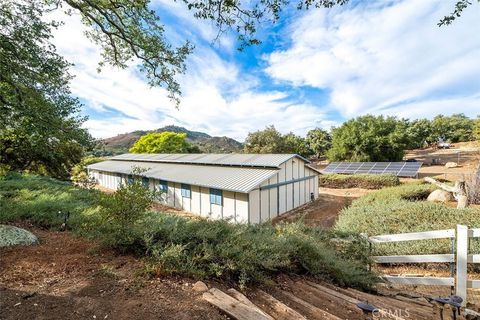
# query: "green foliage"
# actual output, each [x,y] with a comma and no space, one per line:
[369,138]
[419,133]
[79,171]
[296,144]
[178,245]
[127,30]
[319,141]
[460,5]
[366,181]
[454,128]
[476,129]
[270,140]
[121,210]
[40,124]
[247,253]
[164,142]
[45,202]
[401,209]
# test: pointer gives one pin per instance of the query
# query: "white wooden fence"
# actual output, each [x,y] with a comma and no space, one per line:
[459,258]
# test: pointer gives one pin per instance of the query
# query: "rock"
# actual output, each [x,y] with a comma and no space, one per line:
[12,236]
[451,165]
[440,196]
[199,286]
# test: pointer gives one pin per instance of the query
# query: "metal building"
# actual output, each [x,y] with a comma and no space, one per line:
[239,187]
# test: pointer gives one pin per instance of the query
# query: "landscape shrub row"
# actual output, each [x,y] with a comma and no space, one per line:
[402,209]
[195,248]
[366,181]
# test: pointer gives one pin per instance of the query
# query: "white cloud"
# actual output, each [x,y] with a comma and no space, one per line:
[218,98]
[386,59]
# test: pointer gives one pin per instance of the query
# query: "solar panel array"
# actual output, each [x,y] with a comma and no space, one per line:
[400,169]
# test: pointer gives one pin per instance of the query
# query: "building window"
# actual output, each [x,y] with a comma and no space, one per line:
[162,186]
[185,190]
[130,179]
[216,196]
[145,182]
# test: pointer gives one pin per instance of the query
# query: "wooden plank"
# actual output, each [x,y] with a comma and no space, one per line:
[427,281]
[232,307]
[427,258]
[277,309]
[410,300]
[316,297]
[462,255]
[242,298]
[314,311]
[390,303]
[438,234]
[347,298]
[334,293]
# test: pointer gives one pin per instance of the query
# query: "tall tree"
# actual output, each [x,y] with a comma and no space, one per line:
[164,142]
[476,129]
[296,144]
[419,132]
[319,141]
[39,120]
[268,140]
[454,128]
[369,138]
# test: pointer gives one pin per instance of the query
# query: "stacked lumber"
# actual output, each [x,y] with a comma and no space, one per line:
[303,300]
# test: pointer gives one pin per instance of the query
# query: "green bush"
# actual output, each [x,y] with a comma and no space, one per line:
[196,248]
[399,210]
[250,253]
[366,181]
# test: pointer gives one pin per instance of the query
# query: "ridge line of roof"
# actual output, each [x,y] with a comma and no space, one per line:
[198,160]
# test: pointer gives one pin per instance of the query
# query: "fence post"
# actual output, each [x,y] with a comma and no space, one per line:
[461,259]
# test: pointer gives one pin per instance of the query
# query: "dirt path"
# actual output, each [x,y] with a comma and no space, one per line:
[325,210]
[66,277]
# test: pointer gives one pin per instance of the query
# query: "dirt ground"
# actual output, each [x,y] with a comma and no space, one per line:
[466,154]
[67,277]
[324,210]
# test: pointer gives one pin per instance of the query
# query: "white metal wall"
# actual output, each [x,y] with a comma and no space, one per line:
[269,202]
[234,204]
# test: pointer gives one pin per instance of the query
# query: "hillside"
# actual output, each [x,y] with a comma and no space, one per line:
[208,144]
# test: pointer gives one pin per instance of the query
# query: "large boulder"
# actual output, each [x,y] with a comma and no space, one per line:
[449,165]
[12,236]
[440,196]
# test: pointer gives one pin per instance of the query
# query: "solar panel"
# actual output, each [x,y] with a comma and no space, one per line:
[400,169]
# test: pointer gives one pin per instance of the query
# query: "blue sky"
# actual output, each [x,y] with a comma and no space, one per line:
[315,68]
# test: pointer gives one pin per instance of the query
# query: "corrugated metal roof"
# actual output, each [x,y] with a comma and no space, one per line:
[238,179]
[231,159]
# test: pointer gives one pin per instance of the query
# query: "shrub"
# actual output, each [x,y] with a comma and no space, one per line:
[366,181]
[398,210]
[250,253]
[191,247]
[120,211]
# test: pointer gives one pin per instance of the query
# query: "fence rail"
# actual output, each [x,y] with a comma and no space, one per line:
[459,258]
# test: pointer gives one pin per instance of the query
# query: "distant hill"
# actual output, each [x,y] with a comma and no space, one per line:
[208,144]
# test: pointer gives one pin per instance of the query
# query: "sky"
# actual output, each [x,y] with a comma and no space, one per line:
[314,68]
